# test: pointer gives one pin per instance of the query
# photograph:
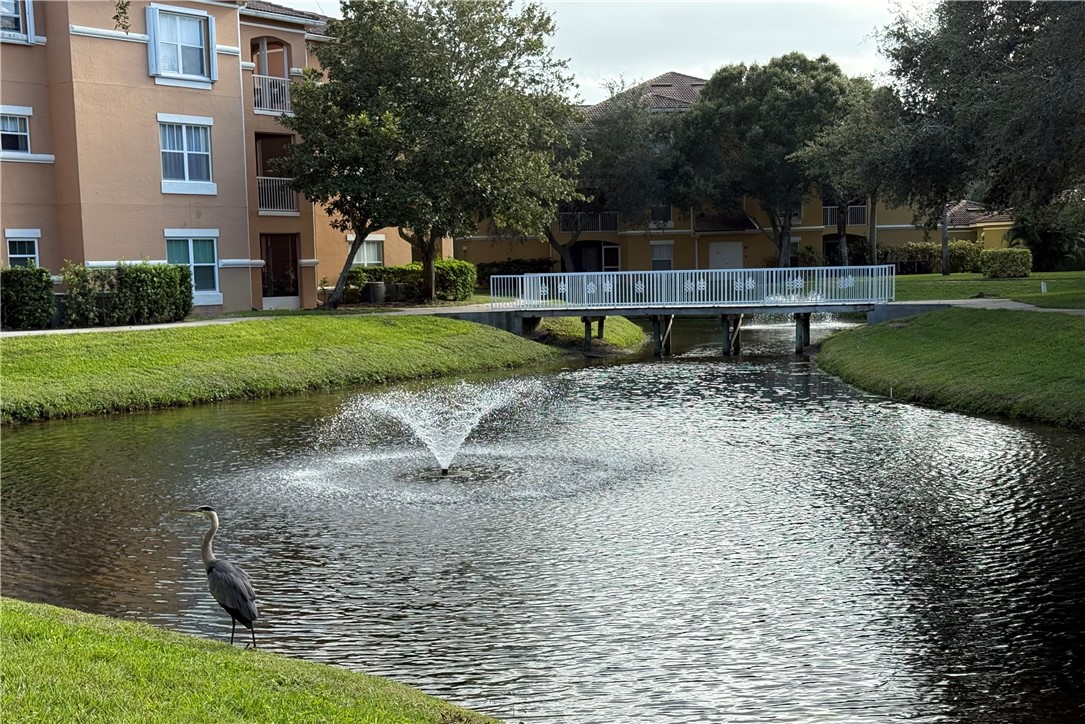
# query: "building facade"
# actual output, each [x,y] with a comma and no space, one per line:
[158,143]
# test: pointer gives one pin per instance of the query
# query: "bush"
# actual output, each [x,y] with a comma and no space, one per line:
[1006,263]
[26,298]
[487,269]
[926,256]
[455,279]
[129,294]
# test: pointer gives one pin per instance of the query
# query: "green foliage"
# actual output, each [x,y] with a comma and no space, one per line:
[128,294]
[66,666]
[513,266]
[1055,234]
[959,359]
[456,279]
[985,88]
[1006,263]
[88,293]
[26,298]
[47,376]
[741,137]
[964,256]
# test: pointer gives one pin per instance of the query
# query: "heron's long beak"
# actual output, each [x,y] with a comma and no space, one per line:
[188,512]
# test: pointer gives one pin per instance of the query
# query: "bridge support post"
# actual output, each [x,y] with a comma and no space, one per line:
[661,334]
[732,333]
[601,321]
[802,331]
[587,333]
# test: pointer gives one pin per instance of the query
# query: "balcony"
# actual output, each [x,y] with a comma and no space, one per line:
[856,215]
[271,94]
[276,197]
[586,221]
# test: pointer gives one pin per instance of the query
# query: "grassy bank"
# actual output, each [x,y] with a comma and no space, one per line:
[1065,290]
[1028,365]
[65,666]
[63,375]
[619,334]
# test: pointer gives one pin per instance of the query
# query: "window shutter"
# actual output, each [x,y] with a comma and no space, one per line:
[152,41]
[212,52]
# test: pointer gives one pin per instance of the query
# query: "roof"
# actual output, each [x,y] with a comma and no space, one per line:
[734,221]
[265,7]
[668,92]
[966,213]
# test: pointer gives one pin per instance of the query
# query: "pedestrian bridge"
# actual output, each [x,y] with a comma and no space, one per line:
[730,294]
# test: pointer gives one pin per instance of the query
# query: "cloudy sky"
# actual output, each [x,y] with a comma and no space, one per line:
[607,39]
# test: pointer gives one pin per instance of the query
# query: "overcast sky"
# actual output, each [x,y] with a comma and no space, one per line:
[605,39]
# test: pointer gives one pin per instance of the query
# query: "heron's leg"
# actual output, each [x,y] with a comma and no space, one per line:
[233,627]
[253,632]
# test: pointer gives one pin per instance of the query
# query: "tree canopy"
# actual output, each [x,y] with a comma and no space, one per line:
[430,115]
[740,138]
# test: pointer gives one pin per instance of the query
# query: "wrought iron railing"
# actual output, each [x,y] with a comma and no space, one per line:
[271,93]
[588,221]
[838,285]
[276,194]
[856,215]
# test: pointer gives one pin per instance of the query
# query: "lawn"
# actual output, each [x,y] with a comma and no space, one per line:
[65,666]
[619,334]
[1065,290]
[1028,365]
[63,375]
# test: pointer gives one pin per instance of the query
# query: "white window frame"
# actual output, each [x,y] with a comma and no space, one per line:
[20,114]
[371,241]
[31,235]
[154,41]
[25,35]
[203,297]
[668,224]
[23,156]
[796,217]
[187,186]
[669,246]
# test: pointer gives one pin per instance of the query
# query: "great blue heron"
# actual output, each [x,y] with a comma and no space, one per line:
[229,584]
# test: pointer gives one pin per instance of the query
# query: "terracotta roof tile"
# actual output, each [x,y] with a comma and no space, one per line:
[668,92]
[266,7]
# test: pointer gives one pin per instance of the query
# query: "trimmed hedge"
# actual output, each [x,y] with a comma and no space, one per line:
[26,298]
[964,256]
[128,294]
[1012,263]
[456,280]
[488,269]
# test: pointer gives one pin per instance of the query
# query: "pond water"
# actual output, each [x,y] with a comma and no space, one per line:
[699,539]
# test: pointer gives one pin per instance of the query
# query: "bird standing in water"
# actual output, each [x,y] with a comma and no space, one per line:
[229,584]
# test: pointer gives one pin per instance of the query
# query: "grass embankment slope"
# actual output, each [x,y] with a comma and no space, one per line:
[64,375]
[619,334]
[1065,290]
[1028,365]
[65,666]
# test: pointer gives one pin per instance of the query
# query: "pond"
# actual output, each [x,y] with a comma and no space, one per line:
[699,539]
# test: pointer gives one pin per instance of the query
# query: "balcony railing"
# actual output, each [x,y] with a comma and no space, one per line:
[856,215]
[588,221]
[275,194]
[271,94]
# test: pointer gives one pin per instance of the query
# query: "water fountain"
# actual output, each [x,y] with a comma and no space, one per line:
[442,417]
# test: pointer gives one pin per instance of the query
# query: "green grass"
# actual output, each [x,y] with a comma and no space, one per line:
[65,666]
[1021,364]
[619,334]
[63,375]
[1065,290]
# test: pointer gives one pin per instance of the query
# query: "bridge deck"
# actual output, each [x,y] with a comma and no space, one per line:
[714,310]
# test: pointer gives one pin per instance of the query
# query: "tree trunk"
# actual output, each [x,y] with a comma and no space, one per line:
[359,237]
[782,229]
[565,251]
[842,232]
[945,239]
[429,270]
[872,227]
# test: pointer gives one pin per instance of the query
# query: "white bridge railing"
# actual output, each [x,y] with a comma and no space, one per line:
[834,285]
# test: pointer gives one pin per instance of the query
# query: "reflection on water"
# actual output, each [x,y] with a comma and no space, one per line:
[698,539]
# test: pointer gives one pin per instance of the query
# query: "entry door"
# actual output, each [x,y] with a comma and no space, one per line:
[725,255]
[280,273]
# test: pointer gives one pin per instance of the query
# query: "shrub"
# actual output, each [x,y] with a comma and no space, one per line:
[1006,263]
[455,279]
[128,294]
[926,256]
[89,294]
[487,269]
[26,298]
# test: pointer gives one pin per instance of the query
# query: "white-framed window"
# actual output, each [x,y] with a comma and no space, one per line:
[11,17]
[185,143]
[181,46]
[15,133]
[22,246]
[371,252]
[198,250]
[796,217]
[662,255]
[661,216]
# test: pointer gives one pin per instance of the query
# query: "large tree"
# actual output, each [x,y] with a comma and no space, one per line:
[740,138]
[429,115]
[1001,85]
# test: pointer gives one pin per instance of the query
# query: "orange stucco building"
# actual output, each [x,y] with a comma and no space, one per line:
[156,144]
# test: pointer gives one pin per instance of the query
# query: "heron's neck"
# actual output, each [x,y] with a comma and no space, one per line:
[209,536]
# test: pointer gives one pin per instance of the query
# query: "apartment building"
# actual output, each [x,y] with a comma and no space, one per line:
[157,143]
[686,238]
